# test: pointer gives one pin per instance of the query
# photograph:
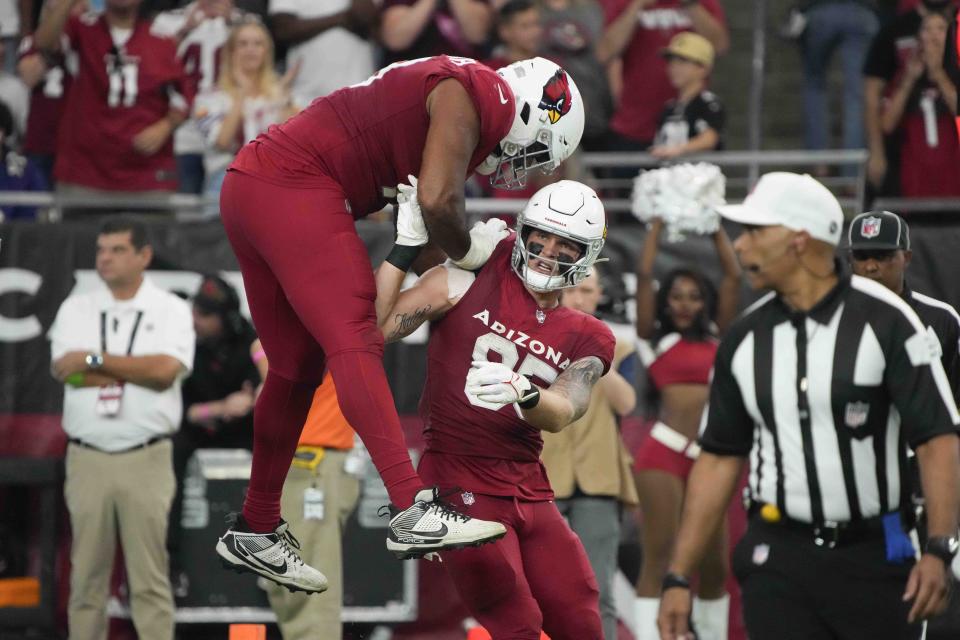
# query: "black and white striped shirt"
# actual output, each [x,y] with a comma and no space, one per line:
[816,400]
[945,321]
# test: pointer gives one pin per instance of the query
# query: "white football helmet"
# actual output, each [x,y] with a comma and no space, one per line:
[547,124]
[567,209]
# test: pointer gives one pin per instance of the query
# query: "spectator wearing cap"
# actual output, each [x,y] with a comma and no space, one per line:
[819,384]
[691,122]
[218,396]
[636,32]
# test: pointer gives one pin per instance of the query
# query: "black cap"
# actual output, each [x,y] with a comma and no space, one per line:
[878,230]
[216,296]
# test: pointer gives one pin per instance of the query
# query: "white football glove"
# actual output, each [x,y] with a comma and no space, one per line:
[411,231]
[496,383]
[484,237]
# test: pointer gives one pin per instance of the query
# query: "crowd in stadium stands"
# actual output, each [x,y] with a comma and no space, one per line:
[185,86]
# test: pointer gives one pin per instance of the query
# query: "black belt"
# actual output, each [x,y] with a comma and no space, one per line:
[828,534]
[143,445]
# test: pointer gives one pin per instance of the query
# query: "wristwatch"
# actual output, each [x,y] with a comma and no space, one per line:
[943,547]
[94,360]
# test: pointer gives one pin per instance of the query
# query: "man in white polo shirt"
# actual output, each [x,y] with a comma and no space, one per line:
[121,352]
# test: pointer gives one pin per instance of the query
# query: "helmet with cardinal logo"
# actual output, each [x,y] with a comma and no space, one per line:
[547,125]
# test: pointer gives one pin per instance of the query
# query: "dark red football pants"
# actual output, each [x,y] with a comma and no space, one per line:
[311,292]
[537,576]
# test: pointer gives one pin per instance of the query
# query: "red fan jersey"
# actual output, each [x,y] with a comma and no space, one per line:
[370,136]
[46,104]
[118,91]
[481,447]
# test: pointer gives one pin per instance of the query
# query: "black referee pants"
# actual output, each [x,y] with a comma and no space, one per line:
[795,590]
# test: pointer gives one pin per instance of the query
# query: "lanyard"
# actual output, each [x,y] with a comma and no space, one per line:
[103,332]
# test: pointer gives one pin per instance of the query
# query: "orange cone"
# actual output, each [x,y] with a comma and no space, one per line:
[479,633]
[248,632]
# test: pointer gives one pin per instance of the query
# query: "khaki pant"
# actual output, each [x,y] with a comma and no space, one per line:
[302,616]
[127,494]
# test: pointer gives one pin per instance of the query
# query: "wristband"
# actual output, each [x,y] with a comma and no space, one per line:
[472,260]
[74,379]
[531,400]
[403,257]
[204,412]
[674,581]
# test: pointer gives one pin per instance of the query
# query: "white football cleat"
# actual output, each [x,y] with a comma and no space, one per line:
[270,555]
[430,525]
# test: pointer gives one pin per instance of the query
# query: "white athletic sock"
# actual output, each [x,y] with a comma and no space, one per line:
[711,617]
[645,618]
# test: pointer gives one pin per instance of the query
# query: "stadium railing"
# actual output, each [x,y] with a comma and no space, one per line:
[614,175]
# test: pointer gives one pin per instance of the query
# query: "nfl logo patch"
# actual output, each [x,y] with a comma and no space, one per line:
[856,414]
[468,498]
[870,227]
[760,554]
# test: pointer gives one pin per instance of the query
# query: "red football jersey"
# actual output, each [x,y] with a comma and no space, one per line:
[118,91]
[46,104]
[370,136]
[485,448]
[646,87]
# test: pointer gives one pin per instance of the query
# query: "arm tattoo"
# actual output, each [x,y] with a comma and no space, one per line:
[407,323]
[576,383]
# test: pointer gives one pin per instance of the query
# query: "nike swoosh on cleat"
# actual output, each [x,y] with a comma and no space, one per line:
[500,91]
[276,568]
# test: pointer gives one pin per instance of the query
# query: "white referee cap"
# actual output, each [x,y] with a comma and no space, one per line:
[793,200]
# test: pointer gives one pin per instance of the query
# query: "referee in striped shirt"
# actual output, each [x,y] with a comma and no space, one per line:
[810,385]
[879,249]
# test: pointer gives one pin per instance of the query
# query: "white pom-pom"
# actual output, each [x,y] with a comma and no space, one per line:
[684,196]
